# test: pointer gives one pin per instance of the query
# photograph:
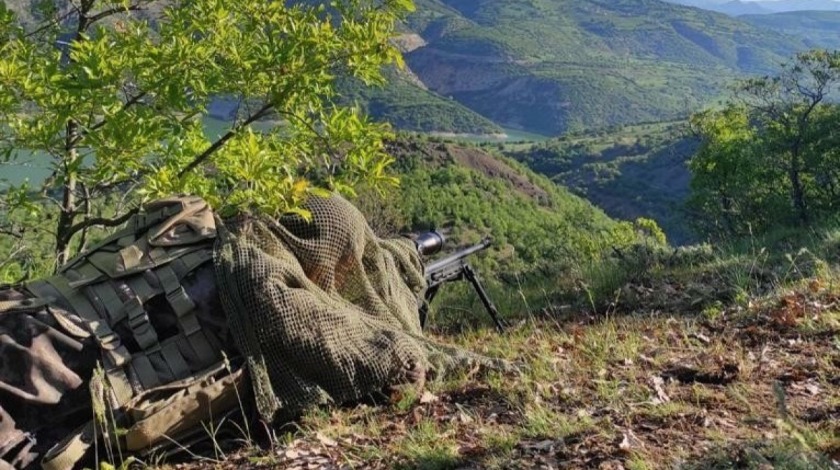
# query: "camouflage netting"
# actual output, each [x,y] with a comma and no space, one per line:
[323,310]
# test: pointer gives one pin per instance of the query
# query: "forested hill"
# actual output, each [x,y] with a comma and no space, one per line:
[630,172]
[407,104]
[730,7]
[761,7]
[469,193]
[553,65]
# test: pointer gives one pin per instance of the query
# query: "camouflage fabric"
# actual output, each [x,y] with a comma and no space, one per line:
[43,378]
[323,309]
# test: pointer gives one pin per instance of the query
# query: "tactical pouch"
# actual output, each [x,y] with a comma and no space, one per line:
[160,418]
[161,415]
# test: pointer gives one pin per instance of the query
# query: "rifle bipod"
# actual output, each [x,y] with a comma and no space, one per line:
[466,272]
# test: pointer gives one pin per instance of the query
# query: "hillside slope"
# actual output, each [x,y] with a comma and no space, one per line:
[551,66]
[409,106]
[729,7]
[469,193]
[740,7]
[639,171]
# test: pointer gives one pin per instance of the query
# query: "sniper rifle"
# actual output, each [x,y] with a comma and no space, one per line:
[452,268]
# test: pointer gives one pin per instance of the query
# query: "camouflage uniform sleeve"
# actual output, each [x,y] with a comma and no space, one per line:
[42,379]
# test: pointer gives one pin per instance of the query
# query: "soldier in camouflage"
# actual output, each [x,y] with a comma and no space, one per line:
[318,309]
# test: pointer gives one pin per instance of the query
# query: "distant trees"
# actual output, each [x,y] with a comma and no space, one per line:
[110,96]
[772,156]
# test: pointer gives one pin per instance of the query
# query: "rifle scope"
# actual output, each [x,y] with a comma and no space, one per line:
[429,243]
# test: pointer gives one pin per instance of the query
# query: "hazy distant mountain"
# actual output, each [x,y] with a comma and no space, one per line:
[731,8]
[818,28]
[801,5]
[737,8]
[759,7]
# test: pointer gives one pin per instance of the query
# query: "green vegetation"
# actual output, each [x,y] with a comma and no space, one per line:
[550,66]
[770,159]
[628,171]
[547,242]
[727,352]
[473,194]
[114,111]
[554,66]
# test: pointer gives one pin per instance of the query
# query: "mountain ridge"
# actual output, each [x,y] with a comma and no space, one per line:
[818,28]
[550,67]
[741,7]
[553,66]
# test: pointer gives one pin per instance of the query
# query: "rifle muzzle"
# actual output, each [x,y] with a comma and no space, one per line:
[429,243]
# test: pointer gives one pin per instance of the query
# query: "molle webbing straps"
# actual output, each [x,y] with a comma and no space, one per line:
[97,323]
[157,212]
[111,284]
[141,326]
[108,299]
[114,354]
[22,305]
[175,360]
[62,314]
[203,343]
[144,371]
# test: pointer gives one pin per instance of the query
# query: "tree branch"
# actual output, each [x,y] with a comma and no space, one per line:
[50,23]
[260,113]
[114,11]
[87,208]
[312,129]
[105,187]
[263,111]
[11,232]
[102,222]
[12,256]
[131,102]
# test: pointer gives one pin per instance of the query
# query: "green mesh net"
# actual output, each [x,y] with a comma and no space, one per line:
[322,309]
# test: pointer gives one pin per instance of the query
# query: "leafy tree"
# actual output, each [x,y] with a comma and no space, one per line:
[110,95]
[770,157]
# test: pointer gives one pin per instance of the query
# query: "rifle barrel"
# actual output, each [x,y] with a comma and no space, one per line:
[440,264]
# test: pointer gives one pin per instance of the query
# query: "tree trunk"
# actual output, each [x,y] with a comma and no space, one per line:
[797,189]
[69,211]
[63,235]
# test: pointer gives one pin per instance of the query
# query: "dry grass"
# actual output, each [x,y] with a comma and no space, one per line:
[756,388]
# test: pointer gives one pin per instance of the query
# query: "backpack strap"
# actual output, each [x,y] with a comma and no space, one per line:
[114,354]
